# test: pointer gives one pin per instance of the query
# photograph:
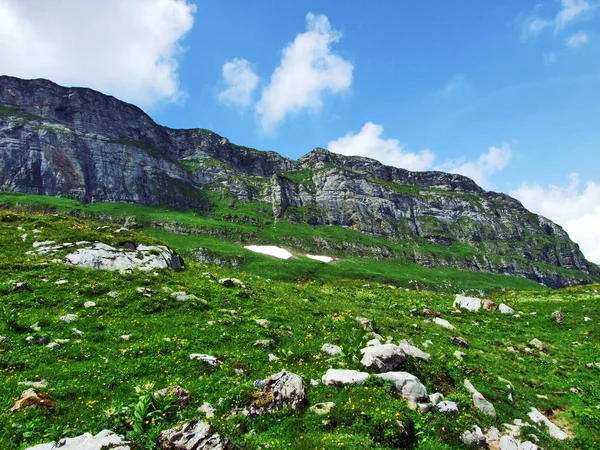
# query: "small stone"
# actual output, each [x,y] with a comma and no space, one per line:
[447,407]
[262,323]
[53,345]
[508,442]
[364,323]
[489,305]
[89,304]
[231,282]
[459,355]
[406,385]
[483,405]
[413,351]
[460,341]
[428,312]
[196,434]
[474,437]
[125,337]
[21,286]
[33,398]
[435,398]
[68,318]
[468,303]
[332,350]
[36,327]
[181,395]
[469,387]
[342,376]
[444,323]
[558,317]
[206,358]
[264,343]
[60,282]
[40,340]
[505,309]
[272,357]
[113,294]
[537,344]
[207,410]
[77,332]
[587,319]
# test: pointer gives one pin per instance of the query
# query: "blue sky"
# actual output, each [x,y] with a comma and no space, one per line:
[505,92]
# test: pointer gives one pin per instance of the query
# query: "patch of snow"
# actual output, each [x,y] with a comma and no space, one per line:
[270,250]
[325,259]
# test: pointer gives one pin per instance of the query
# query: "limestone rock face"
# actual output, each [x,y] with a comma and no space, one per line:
[105,257]
[79,143]
[86,441]
[195,435]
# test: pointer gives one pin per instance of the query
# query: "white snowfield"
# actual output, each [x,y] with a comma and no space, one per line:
[282,253]
[270,250]
[325,259]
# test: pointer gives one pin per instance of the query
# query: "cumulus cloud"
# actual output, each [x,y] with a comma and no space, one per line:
[368,142]
[127,48]
[307,70]
[241,83]
[495,160]
[577,40]
[575,206]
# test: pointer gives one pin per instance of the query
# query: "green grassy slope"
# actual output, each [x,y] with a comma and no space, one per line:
[93,377]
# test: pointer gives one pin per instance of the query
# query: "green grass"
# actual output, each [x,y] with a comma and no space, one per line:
[93,376]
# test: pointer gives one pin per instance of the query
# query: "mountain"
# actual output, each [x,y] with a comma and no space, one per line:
[80,143]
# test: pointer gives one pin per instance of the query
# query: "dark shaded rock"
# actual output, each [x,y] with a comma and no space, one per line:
[21,286]
[182,396]
[176,263]
[558,317]
[41,340]
[462,342]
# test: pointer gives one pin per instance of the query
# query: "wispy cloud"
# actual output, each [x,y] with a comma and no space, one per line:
[241,82]
[577,40]
[575,207]
[569,12]
[307,70]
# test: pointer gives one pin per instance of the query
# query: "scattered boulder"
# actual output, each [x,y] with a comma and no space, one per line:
[444,323]
[343,376]
[483,405]
[468,303]
[87,441]
[176,263]
[182,296]
[537,344]
[505,309]
[411,350]
[406,385]
[21,286]
[462,342]
[182,396]
[206,358]
[33,398]
[558,317]
[105,257]
[89,304]
[365,323]
[322,409]
[281,390]
[232,282]
[383,358]
[447,407]
[489,305]
[332,350]
[553,429]
[194,435]
[474,437]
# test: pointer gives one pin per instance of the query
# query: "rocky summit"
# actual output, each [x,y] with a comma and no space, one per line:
[82,144]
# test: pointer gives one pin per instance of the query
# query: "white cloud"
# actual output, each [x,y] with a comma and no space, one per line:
[571,10]
[577,40]
[241,83]
[368,142]
[574,207]
[550,58]
[308,68]
[495,160]
[127,48]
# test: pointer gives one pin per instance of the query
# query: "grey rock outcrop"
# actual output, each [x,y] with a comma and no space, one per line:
[281,390]
[87,441]
[194,435]
[383,358]
[79,143]
[406,385]
[105,257]
[344,376]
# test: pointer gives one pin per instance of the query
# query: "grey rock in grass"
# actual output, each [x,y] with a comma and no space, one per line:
[411,350]
[21,286]
[364,323]
[231,282]
[262,323]
[460,341]
[474,437]
[281,390]
[194,435]
[468,303]
[87,441]
[105,257]
[436,398]
[483,405]
[89,304]
[182,296]
[444,323]
[408,386]
[332,350]
[508,442]
[528,445]
[428,312]
[344,376]
[383,358]
[207,409]
[558,317]
[373,343]
[68,318]
[505,309]
[447,407]
[537,344]
[554,430]
[206,358]
[322,409]
[489,305]
[469,387]
[264,343]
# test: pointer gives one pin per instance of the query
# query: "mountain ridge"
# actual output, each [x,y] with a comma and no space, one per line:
[80,143]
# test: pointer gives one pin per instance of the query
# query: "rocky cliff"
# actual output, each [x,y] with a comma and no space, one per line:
[80,143]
